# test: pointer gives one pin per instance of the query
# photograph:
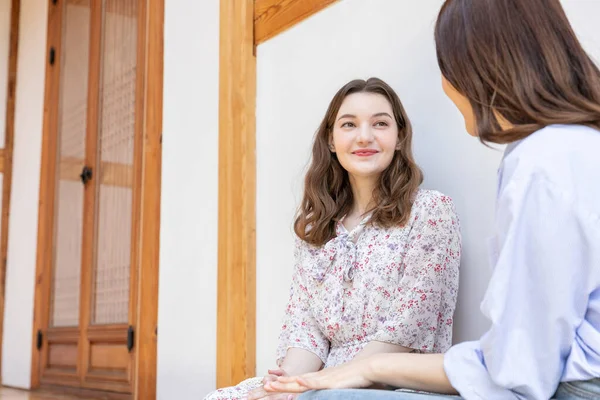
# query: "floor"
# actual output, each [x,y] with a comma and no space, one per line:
[14,394]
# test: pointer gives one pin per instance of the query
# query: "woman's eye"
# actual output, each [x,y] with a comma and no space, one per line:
[348,125]
[381,123]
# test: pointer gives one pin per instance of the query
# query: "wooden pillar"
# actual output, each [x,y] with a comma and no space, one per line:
[236,325]
[147,329]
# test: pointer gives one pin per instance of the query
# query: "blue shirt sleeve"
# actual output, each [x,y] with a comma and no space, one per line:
[544,272]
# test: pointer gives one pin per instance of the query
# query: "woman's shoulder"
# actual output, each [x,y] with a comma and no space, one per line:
[435,206]
[427,200]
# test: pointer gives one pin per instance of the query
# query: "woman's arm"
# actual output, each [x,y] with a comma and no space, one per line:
[411,371]
[302,346]
[299,361]
[375,347]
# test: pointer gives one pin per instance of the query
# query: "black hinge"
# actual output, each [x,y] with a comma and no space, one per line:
[51,56]
[40,338]
[130,337]
[54,1]
[86,174]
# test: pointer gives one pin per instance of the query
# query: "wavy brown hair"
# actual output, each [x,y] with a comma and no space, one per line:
[327,192]
[521,59]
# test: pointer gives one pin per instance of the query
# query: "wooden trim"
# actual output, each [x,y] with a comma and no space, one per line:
[236,341]
[135,174]
[272,17]
[146,331]
[43,275]
[6,155]
[111,7]
[2,153]
[91,188]
[112,174]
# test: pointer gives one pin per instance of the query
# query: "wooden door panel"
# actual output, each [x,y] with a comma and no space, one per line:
[87,342]
[71,136]
[109,361]
[59,347]
[111,289]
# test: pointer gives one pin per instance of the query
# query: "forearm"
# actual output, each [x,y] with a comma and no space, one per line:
[375,347]
[411,371]
[299,361]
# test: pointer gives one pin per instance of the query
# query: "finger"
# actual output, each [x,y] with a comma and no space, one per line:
[309,383]
[291,387]
[286,379]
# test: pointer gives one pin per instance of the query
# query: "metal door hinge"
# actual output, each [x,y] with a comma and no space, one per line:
[130,338]
[40,338]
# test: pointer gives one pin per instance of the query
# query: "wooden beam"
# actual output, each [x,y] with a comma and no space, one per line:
[236,310]
[6,159]
[152,14]
[272,17]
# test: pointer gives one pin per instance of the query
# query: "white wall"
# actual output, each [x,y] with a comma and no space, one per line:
[298,73]
[188,252]
[22,244]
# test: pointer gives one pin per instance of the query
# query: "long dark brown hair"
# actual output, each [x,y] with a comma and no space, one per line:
[327,192]
[519,59]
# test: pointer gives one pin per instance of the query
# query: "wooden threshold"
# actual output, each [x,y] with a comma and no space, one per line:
[6,153]
[79,393]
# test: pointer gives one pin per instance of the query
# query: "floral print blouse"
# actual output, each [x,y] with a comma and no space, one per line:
[397,285]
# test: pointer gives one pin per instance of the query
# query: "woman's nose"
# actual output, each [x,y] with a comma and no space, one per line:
[365,133]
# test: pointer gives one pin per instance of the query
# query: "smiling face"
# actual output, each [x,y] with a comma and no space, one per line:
[365,135]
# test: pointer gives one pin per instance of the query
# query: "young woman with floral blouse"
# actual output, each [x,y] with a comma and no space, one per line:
[376,257]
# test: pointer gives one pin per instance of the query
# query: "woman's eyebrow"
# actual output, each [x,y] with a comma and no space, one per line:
[347,116]
[382,114]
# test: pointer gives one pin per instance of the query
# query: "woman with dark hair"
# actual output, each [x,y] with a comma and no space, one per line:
[377,258]
[519,76]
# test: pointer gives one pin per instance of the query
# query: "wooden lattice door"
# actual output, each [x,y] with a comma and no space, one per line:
[93,106]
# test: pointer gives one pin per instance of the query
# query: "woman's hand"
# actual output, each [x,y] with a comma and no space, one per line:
[353,374]
[261,393]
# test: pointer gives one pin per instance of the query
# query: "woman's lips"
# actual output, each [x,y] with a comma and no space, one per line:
[365,152]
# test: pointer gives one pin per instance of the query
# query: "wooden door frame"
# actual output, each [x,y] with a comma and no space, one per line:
[144,385]
[242,27]
[6,153]
[270,17]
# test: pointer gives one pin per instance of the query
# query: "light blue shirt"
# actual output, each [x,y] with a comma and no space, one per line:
[543,299]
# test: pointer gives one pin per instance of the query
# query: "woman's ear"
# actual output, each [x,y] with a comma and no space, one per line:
[331,146]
